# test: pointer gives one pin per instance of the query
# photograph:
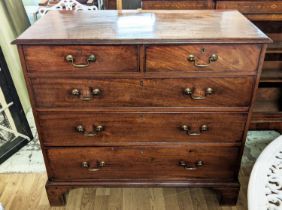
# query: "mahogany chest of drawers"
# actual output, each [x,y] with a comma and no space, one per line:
[142,98]
[267,16]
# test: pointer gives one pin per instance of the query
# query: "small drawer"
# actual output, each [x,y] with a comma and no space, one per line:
[192,92]
[81,58]
[173,162]
[204,58]
[252,7]
[93,129]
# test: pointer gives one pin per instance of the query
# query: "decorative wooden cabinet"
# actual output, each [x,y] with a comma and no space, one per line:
[182,4]
[110,4]
[267,15]
[142,98]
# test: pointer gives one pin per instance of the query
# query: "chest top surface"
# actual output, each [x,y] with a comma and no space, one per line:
[142,27]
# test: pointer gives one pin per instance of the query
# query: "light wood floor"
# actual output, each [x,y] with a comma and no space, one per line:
[27,191]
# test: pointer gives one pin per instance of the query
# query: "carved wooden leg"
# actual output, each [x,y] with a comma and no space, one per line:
[228,195]
[56,194]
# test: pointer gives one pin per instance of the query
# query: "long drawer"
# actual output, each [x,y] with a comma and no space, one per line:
[70,59]
[92,129]
[152,162]
[192,92]
[202,58]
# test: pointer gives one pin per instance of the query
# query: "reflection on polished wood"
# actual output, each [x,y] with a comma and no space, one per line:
[212,75]
[267,16]
[27,191]
[131,26]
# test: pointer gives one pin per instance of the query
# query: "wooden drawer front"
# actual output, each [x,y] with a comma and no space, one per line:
[154,4]
[229,58]
[62,129]
[250,7]
[147,92]
[108,58]
[143,162]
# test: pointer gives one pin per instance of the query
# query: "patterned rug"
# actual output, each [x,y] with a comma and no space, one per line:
[255,144]
[30,159]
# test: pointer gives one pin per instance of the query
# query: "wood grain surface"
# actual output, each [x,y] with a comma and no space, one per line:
[144,92]
[108,58]
[143,163]
[141,75]
[27,191]
[141,27]
[58,129]
[252,7]
[230,58]
[162,4]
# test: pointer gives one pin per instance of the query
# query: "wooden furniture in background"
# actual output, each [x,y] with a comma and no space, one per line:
[140,100]
[110,4]
[113,4]
[173,4]
[267,15]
